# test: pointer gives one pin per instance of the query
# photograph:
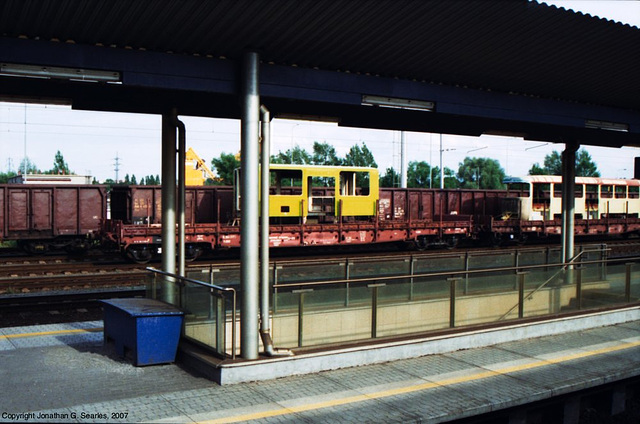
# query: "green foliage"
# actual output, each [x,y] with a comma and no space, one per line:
[59,165]
[450,179]
[390,178]
[4,176]
[419,174]
[28,167]
[585,167]
[224,166]
[324,154]
[360,156]
[296,155]
[481,173]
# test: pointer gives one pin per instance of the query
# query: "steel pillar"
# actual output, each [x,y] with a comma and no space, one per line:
[249,275]
[568,200]
[169,203]
[403,160]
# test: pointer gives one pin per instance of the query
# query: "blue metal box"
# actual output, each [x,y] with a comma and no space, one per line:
[150,329]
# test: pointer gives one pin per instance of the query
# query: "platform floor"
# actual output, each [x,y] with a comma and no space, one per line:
[64,373]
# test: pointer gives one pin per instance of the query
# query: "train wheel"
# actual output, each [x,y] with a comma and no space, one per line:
[34,247]
[495,239]
[191,253]
[451,242]
[139,254]
[421,243]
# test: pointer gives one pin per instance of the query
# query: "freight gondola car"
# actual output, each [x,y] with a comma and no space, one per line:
[311,206]
[44,217]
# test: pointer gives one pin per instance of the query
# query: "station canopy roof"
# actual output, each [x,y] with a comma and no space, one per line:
[513,47]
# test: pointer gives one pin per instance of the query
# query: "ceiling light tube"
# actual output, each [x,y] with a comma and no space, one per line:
[36,71]
[604,125]
[397,103]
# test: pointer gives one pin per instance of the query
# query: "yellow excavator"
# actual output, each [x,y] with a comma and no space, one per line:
[196,170]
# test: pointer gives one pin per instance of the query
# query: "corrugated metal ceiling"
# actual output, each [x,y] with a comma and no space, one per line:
[506,46]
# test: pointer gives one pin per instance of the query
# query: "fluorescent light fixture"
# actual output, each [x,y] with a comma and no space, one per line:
[604,125]
[36,71]
[397,103]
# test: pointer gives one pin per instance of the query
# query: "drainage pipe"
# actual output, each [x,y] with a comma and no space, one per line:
[265,153]
[182,142]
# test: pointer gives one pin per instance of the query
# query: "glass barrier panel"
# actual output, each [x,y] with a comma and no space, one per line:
[548,291]
[379,268]
[635,282]
[485,297]
[429,264]
[532,257]
[320,316]
[306,272]
[487,282]
[491,260]
[204,317]
[427,310]
[597,292]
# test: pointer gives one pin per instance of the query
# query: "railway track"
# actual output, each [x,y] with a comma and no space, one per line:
[49,308]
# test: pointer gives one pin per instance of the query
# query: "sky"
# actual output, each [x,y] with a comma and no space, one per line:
[91,141]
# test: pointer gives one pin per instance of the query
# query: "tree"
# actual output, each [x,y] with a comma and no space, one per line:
[390,178]
[450,179]
[419,174]
[59,165]
[4,177]
[481,173]
[28,167]
[324,154]
[585,167]
[360,156]
[134,181]
[224,166]
[296,155]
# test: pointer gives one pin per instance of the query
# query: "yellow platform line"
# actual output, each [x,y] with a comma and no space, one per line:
[424,386]
[51,333]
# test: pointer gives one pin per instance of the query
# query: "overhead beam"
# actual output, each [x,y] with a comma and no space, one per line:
[179,80]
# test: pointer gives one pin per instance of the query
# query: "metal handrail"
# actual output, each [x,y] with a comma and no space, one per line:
[562,269]
[212,287]
[444,273]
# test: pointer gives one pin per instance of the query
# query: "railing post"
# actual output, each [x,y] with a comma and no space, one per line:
[374,308]
[521,280]
[411,272]
[579,287]
[452,301]
[347,276]
[275,288]
[301,294]
[627,282]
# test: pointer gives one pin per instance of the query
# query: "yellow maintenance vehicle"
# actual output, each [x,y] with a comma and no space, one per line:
[196,170]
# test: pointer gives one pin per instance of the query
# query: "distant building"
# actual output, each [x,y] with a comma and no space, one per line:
[51,179]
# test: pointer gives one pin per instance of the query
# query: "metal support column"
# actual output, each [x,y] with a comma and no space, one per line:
[403,160]
[568,200]
[169,203]
[249,276]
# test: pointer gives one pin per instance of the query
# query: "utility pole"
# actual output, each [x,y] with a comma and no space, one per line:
[116,166]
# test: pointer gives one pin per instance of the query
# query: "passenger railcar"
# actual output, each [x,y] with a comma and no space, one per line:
[602,205]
